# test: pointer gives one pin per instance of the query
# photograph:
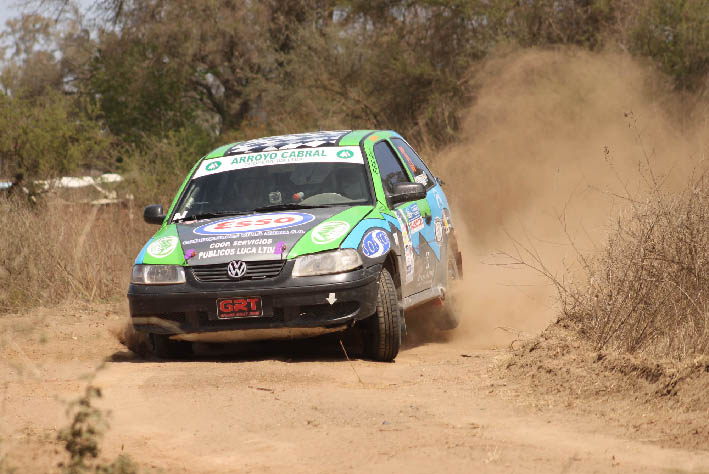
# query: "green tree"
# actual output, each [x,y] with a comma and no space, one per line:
[675,33]
[49,135]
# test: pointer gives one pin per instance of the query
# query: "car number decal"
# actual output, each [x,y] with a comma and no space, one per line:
[254,222]
[376,243]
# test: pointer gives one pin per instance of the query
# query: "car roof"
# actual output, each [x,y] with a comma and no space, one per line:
[324,138]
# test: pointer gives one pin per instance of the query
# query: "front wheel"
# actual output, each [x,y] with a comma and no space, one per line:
[165,348]
[383,329]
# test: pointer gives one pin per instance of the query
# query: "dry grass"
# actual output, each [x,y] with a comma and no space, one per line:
[59,251]
[646,292]
[633,336]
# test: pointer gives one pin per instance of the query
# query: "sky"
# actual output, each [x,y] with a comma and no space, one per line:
[7,11]
[13,8]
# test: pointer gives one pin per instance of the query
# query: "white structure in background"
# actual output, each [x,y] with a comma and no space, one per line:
[70,182]
[80,182]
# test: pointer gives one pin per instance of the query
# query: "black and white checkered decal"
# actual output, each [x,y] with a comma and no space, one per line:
[288,142]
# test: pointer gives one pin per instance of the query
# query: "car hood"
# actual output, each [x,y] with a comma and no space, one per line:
[259,236]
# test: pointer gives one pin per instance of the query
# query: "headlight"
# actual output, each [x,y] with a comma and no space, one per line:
[158,275]
[337,261]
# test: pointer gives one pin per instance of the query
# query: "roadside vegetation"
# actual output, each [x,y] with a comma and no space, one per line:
[633,333]
[144,87]
[83,435]
[646,290]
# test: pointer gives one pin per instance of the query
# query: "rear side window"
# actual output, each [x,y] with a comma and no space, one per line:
[413,163]
[390,168]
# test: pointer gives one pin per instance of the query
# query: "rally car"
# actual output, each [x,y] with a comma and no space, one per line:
[296,236]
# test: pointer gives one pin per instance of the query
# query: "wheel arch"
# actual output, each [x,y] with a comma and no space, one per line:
[455,249]
[393,268]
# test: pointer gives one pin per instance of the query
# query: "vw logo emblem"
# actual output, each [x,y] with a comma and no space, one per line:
[236,269]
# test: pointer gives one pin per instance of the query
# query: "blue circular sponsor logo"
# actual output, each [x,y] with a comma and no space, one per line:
[254,223]
[376,243]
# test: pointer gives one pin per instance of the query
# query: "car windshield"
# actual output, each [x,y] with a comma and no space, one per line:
[216,190]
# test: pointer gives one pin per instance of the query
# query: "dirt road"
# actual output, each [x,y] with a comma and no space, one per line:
[441,407]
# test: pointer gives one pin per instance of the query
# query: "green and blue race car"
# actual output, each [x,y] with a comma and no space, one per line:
[296,236]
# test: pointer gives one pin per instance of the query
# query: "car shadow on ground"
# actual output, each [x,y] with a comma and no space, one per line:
[328,348]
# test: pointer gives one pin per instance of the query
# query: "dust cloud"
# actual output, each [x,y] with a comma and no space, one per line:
[555,143]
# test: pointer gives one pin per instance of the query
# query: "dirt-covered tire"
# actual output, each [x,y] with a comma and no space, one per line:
[383,329]
[165,348]
[445,316]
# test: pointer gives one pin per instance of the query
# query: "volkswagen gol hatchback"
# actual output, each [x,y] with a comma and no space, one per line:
[296,236]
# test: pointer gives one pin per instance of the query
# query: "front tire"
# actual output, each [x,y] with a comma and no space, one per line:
[165,348]
[383,329]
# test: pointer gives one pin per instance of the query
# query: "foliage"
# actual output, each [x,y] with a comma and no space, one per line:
[83,435]
[155,170]
[50,134]
[646,291]
[42,54]
[140,91]
[675,33]
[545,22]
[150,71]
[82,438]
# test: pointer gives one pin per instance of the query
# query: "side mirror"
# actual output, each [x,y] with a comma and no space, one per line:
[404,192]
[440,181]
[153,214]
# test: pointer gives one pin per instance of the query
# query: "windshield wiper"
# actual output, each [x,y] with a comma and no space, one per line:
[293,205]
[209,215]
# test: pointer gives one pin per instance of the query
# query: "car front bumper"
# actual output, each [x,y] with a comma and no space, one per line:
[292,307]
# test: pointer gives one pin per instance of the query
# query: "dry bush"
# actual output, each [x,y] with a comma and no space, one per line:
[83,436]
[58,251]
[646,291]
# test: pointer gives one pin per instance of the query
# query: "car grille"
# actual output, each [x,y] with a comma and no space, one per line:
[254,271]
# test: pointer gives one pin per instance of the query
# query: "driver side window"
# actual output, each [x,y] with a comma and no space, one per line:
[390,168]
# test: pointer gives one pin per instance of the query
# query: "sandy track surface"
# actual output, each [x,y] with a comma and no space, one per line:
[297,407]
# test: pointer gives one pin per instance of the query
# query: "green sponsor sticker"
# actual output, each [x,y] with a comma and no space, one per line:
[345,154]
[329,231]
[213,165]
[162,247]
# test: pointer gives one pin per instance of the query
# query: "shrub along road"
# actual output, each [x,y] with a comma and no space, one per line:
[443,406]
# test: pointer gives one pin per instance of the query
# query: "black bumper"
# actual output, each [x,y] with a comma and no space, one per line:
[304,302]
